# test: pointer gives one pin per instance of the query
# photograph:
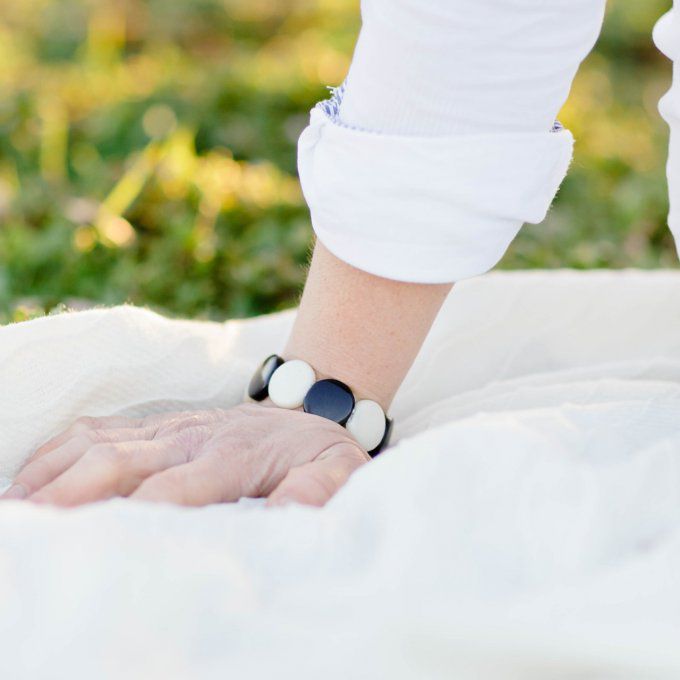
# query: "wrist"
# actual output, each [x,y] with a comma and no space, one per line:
[361,329]
[295,385]
[334,365]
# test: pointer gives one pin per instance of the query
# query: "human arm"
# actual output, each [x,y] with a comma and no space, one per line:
[347,327]
[362,329]
[439,150]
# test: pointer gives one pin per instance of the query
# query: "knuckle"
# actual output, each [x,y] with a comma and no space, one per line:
[169,426]
[84,424]
[348,451]
[297,475]
[83,440]
[354,453]
[314,484]
[192,438]
[327,484]
[108,454]
[30,476]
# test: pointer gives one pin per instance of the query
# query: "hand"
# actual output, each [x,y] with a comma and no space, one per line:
[195,458]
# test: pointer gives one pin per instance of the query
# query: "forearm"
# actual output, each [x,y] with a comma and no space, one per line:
[424,167]
[362,329]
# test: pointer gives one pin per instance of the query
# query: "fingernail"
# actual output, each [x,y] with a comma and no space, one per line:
[14,493]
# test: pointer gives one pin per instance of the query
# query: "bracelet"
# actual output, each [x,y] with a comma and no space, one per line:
[292,384]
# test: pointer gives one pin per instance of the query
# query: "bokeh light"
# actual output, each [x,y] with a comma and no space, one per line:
[147,151]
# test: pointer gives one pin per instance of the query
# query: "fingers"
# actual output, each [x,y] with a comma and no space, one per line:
[317,482]
[201,482]
[43,469]
[194,458]
[86,427]
[108,470]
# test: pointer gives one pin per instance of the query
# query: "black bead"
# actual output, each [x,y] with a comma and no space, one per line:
[385,440]
[330,399]
[258,390]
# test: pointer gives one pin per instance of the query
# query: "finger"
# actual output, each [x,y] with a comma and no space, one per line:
[46,468]
[317,482]
[86,426]
[204,481]
[109,470]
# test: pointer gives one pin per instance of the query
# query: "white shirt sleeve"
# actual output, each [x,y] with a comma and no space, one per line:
[667,36]
[442,143]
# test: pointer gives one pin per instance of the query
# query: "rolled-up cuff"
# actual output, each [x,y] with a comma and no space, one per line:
[422,209]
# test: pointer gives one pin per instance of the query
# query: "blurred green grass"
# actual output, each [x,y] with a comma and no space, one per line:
[147,151]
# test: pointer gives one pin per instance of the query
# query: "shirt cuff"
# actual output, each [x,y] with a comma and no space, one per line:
[425,209]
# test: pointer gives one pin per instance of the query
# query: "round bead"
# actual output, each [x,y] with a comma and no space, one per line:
[290,383]
[330,399]
[389,426]
[367,424]
[258,390]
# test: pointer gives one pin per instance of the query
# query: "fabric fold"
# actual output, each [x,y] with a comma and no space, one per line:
[426,209]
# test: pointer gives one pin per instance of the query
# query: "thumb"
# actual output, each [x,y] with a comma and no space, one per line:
[315,483]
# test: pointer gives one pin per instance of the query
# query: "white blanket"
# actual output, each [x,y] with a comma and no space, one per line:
[526,525]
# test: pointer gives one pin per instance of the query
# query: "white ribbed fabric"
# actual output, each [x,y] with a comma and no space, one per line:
[526,525]
[426,165]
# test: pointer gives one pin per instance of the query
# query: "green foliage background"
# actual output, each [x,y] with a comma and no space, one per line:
[147,151]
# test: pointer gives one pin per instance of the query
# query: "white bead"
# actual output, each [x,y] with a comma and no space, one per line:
[367,424]
[290,383]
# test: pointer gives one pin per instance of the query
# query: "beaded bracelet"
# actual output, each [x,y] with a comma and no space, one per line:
[292,384]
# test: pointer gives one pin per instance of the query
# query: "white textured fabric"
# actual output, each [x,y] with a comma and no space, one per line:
[433,68]
[526,525]
[426,165]
[439,209]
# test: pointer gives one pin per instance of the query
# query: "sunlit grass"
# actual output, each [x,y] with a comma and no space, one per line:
[147,151]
